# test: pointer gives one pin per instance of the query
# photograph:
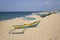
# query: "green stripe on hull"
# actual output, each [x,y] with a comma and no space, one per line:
[34,24]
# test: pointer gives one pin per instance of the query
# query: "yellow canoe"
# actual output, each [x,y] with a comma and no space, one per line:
[34,24]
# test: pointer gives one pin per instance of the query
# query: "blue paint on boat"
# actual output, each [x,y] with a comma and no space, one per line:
[27,18]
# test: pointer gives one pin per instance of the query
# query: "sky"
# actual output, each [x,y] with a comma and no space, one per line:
[29,5]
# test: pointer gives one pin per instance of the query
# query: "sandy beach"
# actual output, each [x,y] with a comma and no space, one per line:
[47,29]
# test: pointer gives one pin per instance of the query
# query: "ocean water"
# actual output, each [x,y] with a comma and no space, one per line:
[10,15]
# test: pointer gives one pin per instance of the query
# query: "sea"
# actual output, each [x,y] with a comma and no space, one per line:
[10,15]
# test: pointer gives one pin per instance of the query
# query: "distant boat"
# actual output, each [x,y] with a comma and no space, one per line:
[58,12]
[31,25]
[28,18]
[43,14]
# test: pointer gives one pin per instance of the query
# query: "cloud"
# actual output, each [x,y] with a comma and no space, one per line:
[46,2]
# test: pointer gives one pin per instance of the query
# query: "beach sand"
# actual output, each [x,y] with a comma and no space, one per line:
[48,29]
